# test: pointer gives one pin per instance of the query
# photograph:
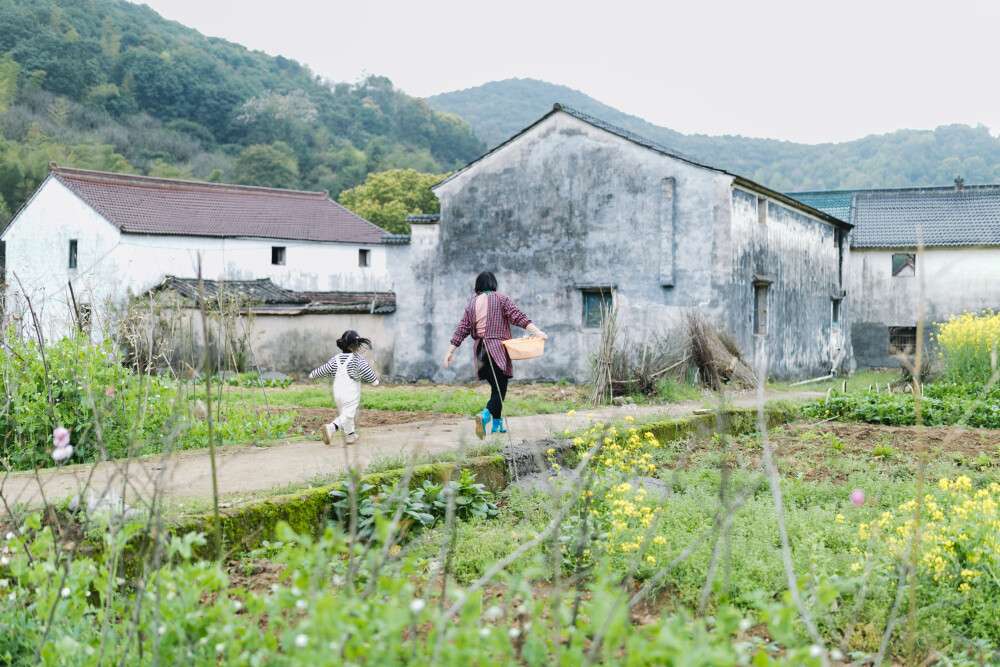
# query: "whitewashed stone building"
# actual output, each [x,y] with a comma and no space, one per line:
[938,243]
[573,213]
[86,240]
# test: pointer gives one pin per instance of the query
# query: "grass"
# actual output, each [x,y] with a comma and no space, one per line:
[410,398]
[860,381]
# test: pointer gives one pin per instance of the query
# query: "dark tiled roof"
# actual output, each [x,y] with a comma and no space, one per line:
[146,205]
[835,202]
[660,148]
[902,217]
[933,217]
[395,239]
[423,218]
[261,291]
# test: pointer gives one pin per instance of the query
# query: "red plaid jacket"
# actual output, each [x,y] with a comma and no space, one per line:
[500,314]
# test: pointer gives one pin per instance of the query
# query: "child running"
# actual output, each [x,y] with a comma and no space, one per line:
[348,370]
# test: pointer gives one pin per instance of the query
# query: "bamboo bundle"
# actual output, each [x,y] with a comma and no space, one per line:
[717,356]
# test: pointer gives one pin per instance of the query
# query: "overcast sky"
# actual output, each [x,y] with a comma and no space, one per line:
[797,70]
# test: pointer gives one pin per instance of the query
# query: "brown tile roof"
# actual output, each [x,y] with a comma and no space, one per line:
[147,205]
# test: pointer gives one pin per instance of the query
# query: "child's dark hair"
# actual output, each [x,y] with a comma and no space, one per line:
[352,342]
[486,282]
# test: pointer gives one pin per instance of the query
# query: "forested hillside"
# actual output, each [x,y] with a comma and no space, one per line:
[500,109]
[108,84]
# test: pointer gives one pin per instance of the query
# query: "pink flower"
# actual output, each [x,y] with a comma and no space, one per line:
[60,437]
[858,497]
[110,392]
[62,453]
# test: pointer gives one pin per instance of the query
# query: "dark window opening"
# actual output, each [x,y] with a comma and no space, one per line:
[904,265]
[364,257]
[596,305]
[902,340]
[278,255]
[760,309]
[835,315]
[762,210]
[72,253]
[84,315]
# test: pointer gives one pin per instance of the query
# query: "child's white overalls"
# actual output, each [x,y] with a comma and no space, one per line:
[347,396]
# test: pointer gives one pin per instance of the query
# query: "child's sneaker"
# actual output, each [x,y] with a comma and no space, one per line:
[325,433]
[352,438]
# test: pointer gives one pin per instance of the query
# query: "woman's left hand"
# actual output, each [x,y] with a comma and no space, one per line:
[447,360]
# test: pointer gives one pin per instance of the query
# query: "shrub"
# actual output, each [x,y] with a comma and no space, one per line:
[82,387]
[969,345]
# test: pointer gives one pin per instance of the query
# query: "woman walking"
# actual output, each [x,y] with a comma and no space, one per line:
[487,319]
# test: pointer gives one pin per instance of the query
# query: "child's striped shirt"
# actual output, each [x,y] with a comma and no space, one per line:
[357,368]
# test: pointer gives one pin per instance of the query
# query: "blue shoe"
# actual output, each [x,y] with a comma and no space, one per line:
[482,419]
[498,426]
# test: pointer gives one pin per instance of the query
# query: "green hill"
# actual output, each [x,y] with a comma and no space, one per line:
[500,109]
[108,84]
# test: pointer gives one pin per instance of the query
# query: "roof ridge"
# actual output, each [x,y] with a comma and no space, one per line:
[179,183]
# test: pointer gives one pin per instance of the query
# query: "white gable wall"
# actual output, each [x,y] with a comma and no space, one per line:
[37,258]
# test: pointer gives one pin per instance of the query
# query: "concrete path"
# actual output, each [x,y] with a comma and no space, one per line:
[246,469]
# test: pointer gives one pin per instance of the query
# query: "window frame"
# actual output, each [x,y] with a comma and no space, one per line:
[364,258]
[761,210]
[896,272]
[607,299]
[835,313]
[74,253]
[279,255]
[895,349]
[760,317]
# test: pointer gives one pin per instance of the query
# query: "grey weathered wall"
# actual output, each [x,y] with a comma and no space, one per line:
[948,280]
[297,344]
[291,344]
[567,204]
[800,254]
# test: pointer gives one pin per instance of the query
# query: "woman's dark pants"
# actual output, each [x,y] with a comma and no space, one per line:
[489,371]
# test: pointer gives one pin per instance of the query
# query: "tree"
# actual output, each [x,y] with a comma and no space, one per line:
[389,197]
[268,165]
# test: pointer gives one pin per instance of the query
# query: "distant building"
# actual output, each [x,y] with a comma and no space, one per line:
[110,237]
[573,214]
[941,242]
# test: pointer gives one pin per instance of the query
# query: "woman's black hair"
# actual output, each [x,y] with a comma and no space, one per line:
[352,342]
[486,282]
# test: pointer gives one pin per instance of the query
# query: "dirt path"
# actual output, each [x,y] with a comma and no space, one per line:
[246,469]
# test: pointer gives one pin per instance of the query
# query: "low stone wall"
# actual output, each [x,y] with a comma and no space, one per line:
[307,512]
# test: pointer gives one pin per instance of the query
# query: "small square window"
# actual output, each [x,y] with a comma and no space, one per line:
[596,304]
[902,340]
[904,265]
[278,255]
[760,309]
[72,253]
[762,210]
[364,257]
